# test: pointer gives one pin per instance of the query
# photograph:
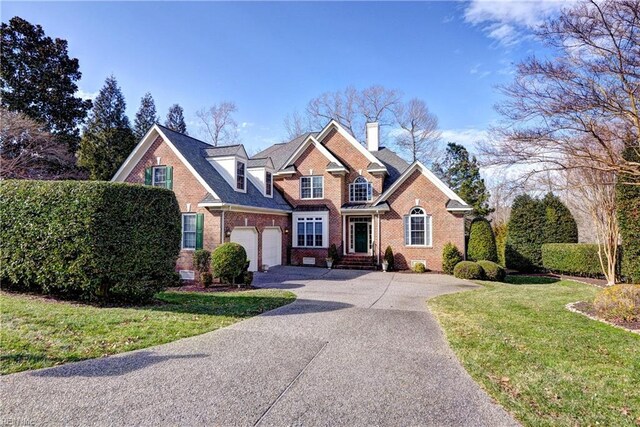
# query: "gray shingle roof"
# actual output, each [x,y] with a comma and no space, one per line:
[280,153]
[454,204]
[223,151]
[191,150]
[259,163]
[395,165]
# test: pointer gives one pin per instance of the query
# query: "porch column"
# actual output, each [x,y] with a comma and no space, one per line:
[373,234]
[344,235]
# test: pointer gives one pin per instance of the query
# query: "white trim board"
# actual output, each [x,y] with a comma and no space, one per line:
[345,133]
[311,140]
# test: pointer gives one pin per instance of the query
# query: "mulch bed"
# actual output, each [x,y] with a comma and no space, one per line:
[197,287]
[587,309]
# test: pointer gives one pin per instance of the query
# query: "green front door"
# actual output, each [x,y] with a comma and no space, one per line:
[361,231]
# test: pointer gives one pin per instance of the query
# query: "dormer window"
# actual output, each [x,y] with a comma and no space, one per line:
[241,180]
[360,190]
[268,182]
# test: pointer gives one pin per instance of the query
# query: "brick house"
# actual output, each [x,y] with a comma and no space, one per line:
[292,201]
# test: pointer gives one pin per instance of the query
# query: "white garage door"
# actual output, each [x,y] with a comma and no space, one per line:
[272,246]
[248,238]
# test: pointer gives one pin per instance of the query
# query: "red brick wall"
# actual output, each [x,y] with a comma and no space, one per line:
[447,227]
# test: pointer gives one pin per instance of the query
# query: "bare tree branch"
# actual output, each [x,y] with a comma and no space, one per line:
[218,123]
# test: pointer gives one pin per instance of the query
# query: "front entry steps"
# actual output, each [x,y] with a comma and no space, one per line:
[356,262]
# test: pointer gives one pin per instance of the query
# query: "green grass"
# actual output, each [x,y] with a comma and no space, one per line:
[543,363]
[38,332]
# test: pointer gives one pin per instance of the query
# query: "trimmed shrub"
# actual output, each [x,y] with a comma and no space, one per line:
[482,242]
[500,231]
[419,267]
[227,261]
[525,234]
[92,241]
[206,278]
[619,302]
[388,256]
[628,204]
[560,226]
[578,259]
[468,270]
[493,271]
[450,257]
[201,260]
[247,278]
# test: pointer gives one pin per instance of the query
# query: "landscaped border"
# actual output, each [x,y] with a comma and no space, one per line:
[571,308]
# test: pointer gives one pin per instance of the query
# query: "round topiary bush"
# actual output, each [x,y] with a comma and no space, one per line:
[450,257]
[468,270]
[619,302]
[493,271]
[419,267]
[228,261]
[482,242]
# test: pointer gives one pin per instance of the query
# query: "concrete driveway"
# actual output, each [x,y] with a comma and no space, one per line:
[354,349]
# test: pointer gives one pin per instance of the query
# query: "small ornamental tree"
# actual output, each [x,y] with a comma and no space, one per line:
[388,256]
[628,201]
[228,261]
[482,242]
[560,226]
[450,257]
[525,234]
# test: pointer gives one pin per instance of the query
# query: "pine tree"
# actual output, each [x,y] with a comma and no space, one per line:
[145,117]
[107,138]
[462,175]
[560,225]
[175,119]
[38,79]
[525,234]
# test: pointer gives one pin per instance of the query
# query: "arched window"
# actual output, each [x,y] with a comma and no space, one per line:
[360,190]
[417,228]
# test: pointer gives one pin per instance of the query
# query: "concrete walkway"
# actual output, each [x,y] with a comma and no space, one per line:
[355,349]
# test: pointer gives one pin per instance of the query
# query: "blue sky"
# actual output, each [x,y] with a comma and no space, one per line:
[271,58]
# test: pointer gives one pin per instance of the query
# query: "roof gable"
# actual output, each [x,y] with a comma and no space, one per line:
[311,141]
[342,131]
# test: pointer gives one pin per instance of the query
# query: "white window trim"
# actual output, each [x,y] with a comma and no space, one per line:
[184,214]
[235,175]
[325,228]
[425,216]
[153,175]
[352,190]
[311,177]
[266,183]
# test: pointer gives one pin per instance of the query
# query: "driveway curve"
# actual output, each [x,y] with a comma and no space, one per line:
[355,348]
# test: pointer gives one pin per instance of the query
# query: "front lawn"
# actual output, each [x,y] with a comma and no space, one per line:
[38,332]
[543,363]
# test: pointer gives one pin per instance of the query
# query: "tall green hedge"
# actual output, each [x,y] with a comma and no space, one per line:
[560,225]
[628,203]
[88,240]
[482,242]
[500,231]
[525,234]
[578,259]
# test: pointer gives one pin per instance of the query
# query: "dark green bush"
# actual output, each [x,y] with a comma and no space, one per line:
[333,252]
[619,302]
[468,270]
[206,278]
[419,267]
[228,261]
[388,256]
[482,242]
[248,278]
[525,234]
[578,259]
[500,231]
[201,260]
[88,240]
[493,271]
[628,204]
[560,226]
[450,257]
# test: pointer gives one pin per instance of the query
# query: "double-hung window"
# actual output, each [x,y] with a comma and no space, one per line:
[240,176]
[310,229]
[312,187]
[159,176]
[189,231]
[360,190]
[417,228]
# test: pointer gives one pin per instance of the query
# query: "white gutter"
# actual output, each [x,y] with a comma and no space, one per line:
[242,208]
